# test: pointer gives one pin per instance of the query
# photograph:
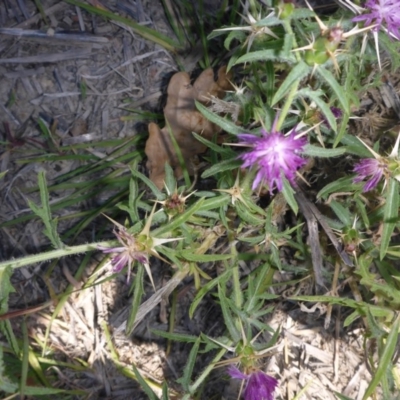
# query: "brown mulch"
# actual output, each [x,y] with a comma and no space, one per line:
[42,72]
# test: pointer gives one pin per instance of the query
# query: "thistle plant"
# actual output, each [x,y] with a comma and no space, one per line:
[292,157]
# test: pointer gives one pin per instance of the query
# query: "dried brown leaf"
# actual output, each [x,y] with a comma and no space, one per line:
[182,119]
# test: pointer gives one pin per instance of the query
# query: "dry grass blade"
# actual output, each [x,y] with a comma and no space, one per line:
[48,58]
[51,36]
[156,298]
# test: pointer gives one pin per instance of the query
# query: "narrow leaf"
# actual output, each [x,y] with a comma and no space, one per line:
[136,299]
[385,359]
[315,95]
[300,71]
[143,384]
[228,317]
[44,213]
[188,370]
[391,212]
[189,255]
[288,194]
[335,86]
[317,151]
[223,123]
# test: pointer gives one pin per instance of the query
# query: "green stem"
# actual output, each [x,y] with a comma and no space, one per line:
[51,255]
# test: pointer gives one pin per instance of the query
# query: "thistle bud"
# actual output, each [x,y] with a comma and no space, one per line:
[324,47]
[284,9]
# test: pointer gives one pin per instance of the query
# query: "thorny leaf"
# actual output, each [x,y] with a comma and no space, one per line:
[182,118]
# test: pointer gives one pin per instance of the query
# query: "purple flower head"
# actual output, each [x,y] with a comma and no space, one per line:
[127,253]
[274,155]
[382,11]
[259,386]
[371,168]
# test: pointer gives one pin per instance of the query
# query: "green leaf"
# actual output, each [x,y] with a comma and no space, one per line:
[179,220]
[44,213]
[360,306]
[225,124]
[134,197]
[225,150]
[390,218]
[384,359]
[190,255]
[342,397]
[355,146]
[288,194]
[215,202]
[341,212]
[300,71]
[222,166]
[315,95]
[301,13]
[157,192]
[144,385]
[228,317]
[248,215]
[5,384]
[270,20]
[170,181]
[266,55]
[317,151]
[188,370]
[178,337]
[5,288]
[335,86]
[165,395]
[25,358]
[343,128]
[136,299]
[205,289]
[178,152]
[361,210]
[239,35]
[46,391]
[344,184]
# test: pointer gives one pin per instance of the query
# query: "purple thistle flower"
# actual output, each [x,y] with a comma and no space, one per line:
[381,11]
[274,155]
[371,168]
[259,386]
[127,254]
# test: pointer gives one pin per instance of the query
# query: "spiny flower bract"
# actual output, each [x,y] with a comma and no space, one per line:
[274,155]
[259,386]
[127,253]
[371,168]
